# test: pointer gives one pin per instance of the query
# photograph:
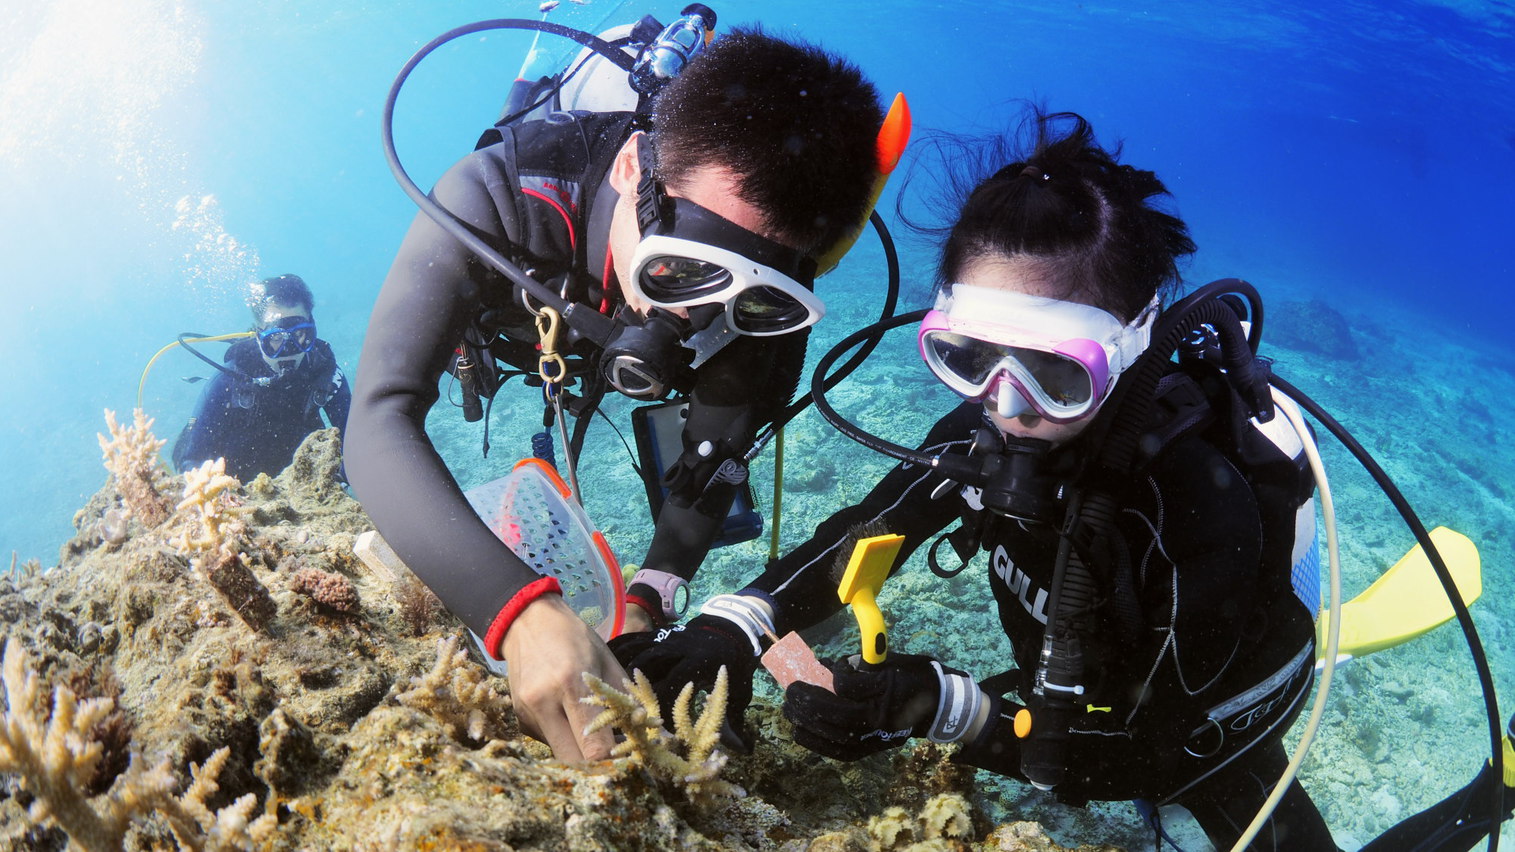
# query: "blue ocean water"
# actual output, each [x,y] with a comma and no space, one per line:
[157,155]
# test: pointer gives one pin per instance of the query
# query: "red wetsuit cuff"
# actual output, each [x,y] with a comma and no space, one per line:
[654,610]
[512,608]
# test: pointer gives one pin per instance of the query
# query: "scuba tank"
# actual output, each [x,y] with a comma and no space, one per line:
[667,55]
[642,58]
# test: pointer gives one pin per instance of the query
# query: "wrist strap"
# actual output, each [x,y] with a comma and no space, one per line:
[747,613]
[957,706]
[672,592]
[512,608]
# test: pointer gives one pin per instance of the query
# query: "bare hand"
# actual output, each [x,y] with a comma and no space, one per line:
[548,649]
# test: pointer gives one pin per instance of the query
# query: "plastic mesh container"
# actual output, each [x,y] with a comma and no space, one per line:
[533,511]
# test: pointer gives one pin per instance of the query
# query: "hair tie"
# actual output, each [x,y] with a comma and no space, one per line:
[1034,171]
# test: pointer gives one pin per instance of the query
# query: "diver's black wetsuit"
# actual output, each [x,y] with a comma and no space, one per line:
[520,194]
[258,428]
[1188,709]
[1213,627]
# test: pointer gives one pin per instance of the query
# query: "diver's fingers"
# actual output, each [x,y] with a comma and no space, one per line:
[561,733]
[543,719]
[547,650]
[595,745]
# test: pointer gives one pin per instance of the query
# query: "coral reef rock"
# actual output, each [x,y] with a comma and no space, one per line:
[1313,326]
[145,710]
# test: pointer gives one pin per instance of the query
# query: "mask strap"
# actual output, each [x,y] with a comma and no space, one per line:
[651,202]
[1137,336]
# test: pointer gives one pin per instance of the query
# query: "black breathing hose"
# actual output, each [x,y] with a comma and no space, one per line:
[891,300]
[186,336]
[584,319]
[1439,565]
[819,384]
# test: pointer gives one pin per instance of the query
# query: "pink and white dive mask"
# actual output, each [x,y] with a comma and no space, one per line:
[1029,353]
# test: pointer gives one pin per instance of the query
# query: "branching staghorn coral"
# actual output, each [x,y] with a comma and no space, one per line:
[209,515]
[131,455]
[687,759]
[210,534]
[56,756]
[457,693]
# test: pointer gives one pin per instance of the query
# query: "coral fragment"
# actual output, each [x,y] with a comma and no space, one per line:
[458,693]
[56,755]
[131,455]
[687,759]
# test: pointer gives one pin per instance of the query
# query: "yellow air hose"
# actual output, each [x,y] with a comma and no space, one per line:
[142,382]
[778,494]
[1333,630]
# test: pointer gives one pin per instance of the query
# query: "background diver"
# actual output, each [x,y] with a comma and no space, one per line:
[271,394]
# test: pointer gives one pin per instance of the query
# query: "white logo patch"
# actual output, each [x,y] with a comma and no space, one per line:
[1033,599]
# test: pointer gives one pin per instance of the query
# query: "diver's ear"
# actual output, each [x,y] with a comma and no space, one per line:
[626,169]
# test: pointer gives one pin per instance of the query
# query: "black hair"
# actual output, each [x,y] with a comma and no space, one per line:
[1087,222]
[798,127]
[280,290]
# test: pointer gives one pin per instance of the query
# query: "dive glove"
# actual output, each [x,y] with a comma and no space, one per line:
[878,707]
[728,632]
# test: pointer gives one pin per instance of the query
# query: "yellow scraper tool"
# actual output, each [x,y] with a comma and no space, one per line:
[866,571]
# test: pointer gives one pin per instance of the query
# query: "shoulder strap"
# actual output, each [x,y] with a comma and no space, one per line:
[1184,406]
[556,165]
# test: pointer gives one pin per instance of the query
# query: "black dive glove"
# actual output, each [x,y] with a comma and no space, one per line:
[728,632]
[878,707]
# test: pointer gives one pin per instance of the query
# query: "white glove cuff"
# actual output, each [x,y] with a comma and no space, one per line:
[957,707]
[748,613]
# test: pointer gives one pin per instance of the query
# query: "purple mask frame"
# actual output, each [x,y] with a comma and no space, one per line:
[1090,355]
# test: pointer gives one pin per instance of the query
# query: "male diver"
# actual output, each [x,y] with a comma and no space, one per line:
[269,397]
[696,225]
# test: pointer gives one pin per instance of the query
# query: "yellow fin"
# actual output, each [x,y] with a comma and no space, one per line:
[1408,599]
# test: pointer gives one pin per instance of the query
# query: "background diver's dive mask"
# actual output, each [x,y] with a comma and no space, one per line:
[284,341]
[1029,353]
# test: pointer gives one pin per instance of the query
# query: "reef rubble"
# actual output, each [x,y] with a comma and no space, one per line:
[287,698]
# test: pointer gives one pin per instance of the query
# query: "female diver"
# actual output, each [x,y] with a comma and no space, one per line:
[1193,647]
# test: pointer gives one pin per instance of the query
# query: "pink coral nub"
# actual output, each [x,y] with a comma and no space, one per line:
[330,590]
